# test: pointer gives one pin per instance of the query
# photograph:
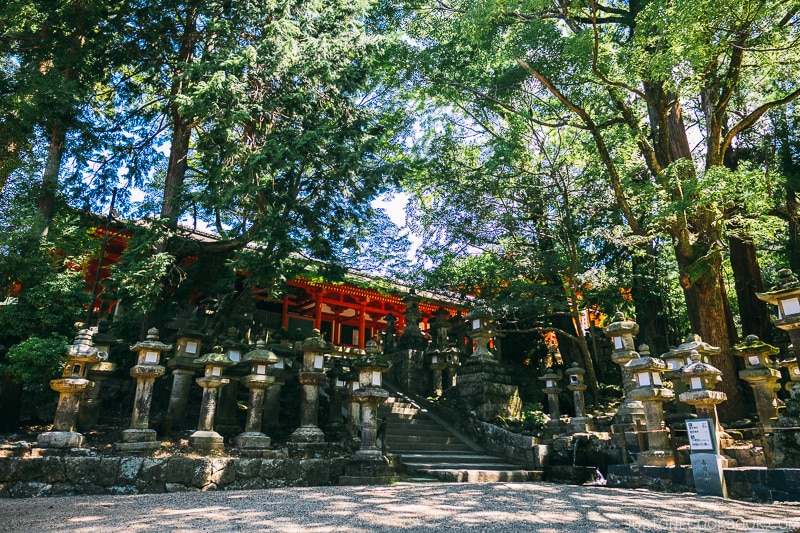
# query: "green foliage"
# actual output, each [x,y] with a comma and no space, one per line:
[40,280]
[533,418]
[36,359]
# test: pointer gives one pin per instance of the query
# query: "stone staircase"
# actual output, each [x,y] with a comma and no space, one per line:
[429,447]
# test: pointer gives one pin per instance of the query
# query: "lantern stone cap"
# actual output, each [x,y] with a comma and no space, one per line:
[230,341]
[753,346]
[480,311]
[694,342]
[347,351]
[374,360]
[698,369]
[371,347]
[574,369]
[191,329]
[620,326]
[103,336]
[549,374]
[315,343]
[215,357]
[280,349]
[645,363]
[787,284]
[151,343]
[261,354]
[788,362]
[81,348]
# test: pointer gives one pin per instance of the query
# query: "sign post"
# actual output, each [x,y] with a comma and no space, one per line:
[709,478]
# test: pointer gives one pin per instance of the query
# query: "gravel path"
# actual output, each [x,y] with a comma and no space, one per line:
[404,507]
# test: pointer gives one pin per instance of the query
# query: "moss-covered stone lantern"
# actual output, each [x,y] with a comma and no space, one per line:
[81,356]
[650,390]
[89,410]
[621,333]
[205,439]
[760,373]
[577,385]
[550,380]
[258,380]
[791,366]
[311,378]
[786,296]
[369,466]
[481,330]
[139,437]
[227,421]
[188,347]
[701,378]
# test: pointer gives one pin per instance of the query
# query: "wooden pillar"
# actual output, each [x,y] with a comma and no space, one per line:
[318,310]
[362,324]
[285,316]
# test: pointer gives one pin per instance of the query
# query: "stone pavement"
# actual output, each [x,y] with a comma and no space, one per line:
[403,507]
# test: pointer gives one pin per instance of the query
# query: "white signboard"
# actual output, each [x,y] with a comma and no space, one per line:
[701,435]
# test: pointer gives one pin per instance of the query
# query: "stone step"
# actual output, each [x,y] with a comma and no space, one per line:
[412,424]
[396,431]
[425,447]
[427,467]
[436,442]
[449,457]
[486,476]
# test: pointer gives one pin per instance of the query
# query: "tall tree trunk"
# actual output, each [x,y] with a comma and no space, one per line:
[705,295]
[747,277]
[651,312]
[176,170]
[55,153]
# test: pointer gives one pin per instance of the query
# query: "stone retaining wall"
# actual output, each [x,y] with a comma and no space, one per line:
[22,477]
[523,450]
[750,483]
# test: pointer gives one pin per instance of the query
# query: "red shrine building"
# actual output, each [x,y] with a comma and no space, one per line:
[348,313]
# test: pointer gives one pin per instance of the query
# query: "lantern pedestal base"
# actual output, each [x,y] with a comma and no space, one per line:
[580,424]
[253,440]
[205,442]
[307,434]
[629,412]
[138,441]
[368,470]
[60,439]
[655,458]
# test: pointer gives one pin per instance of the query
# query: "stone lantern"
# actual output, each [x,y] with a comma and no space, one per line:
[790,364]
[786,296]
[99,372]
[226,421]
[437,365]
[257,381]
[552,390]
[651,391]
[481,331]
[452,362]
[621,333]
[369,395]
[337,387]
[281,371]
[205,439]
[701,378]
[139,437]
[760,373]
[311,378]
[81,356]
[368,465]
[576,384]
[353,408]
[187,348]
